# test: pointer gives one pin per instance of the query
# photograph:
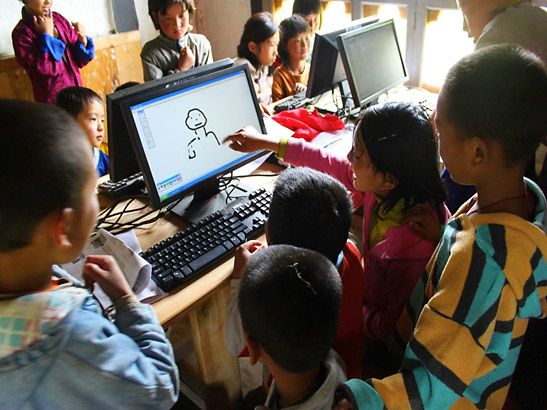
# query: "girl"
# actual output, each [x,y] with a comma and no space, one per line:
[258,48]
[294,48]
[312,12]
[175,49]
[391,168]
[50,49]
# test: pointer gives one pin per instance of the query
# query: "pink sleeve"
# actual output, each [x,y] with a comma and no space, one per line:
[302,153]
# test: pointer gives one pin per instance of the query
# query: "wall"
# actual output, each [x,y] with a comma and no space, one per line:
[96,15]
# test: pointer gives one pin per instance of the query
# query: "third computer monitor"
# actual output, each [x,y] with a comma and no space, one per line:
[373,61]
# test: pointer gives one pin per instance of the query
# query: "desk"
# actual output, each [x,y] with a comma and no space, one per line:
[204,303]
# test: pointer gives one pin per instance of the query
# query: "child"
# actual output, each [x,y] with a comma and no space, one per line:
[56,348]
[488,275]
[312,12]
[391,167]
[175,49]
[258,48]
[294,48]
[312,210]
[50,49]
[88,110]
[289,301]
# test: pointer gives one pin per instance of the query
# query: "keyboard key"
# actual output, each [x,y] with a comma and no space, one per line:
[209,257]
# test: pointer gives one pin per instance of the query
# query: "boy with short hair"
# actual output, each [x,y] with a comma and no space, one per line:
[312,210]
[488,276]
[289,301]
[56,348]
[87,108]
[176,48]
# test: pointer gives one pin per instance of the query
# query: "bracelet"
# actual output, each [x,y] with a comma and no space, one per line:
[124,301]
[282,150]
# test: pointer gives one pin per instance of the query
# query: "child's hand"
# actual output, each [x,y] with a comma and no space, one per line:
[103,270]
[242,255]
[80,30]
[299,87]
[44,24]
[250,140]
[186,59]
[423,223]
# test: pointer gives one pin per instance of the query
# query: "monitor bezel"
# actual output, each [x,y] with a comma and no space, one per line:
[139,149]
[119,145]
[319,62]
[342,39]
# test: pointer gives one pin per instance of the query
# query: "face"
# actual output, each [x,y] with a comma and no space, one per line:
[38,7]
[175,22]
[451,146]
[266,52]
[313,21]
[91,119]
[477,14]
[85,216]
[364,177]
[298,47]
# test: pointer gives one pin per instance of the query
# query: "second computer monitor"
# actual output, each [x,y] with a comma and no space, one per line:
[373,61]
[326,69]
[178,132]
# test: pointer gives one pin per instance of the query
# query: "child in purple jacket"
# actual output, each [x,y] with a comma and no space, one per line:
[50,49]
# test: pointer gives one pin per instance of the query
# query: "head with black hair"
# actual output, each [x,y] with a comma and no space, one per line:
[126,85]
[498,95]
[171,17]
[44,151]
[312,11]
[394,156]
[294,40]
[259,40]
[309,209]
[87,108]
[289,302]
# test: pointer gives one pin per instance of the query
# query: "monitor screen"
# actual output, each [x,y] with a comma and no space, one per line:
[327,69]
[123,162]
[372,60]
[178,132]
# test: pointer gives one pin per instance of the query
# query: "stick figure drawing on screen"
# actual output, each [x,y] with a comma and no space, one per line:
[196,120]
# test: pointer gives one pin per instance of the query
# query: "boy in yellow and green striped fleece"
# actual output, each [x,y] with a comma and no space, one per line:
[488,276]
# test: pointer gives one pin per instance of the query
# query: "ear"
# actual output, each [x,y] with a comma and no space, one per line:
[480,151]
[390,182]
[62,228]
[253,47]
[254,348]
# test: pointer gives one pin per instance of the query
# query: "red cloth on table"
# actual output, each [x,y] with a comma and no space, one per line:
[307,125]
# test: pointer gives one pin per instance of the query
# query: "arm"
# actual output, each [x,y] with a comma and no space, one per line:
[83,46]
[150,68]
[277,87]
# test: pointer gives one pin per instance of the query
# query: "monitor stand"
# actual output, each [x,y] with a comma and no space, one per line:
[339,92]
[209,199]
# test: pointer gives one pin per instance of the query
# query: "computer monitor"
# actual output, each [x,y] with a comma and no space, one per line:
[373,61]
[178,132]
[327,70]
[123,162]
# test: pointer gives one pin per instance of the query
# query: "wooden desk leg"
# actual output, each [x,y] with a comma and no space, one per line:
[219,370]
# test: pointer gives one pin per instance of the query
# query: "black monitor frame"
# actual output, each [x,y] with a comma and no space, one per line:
[327,70]
[353,72]
[204,184]
[123,162]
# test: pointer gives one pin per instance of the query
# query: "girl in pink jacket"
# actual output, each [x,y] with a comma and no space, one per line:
[391,168]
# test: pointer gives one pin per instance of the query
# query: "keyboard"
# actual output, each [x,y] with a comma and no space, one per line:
[292,102]
[190,252]
[127,186]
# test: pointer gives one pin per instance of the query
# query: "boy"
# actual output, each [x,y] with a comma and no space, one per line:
[294,48]
[312,210]
[88,110]
[488,275]
[289,301]
[175,49]
[56,348]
